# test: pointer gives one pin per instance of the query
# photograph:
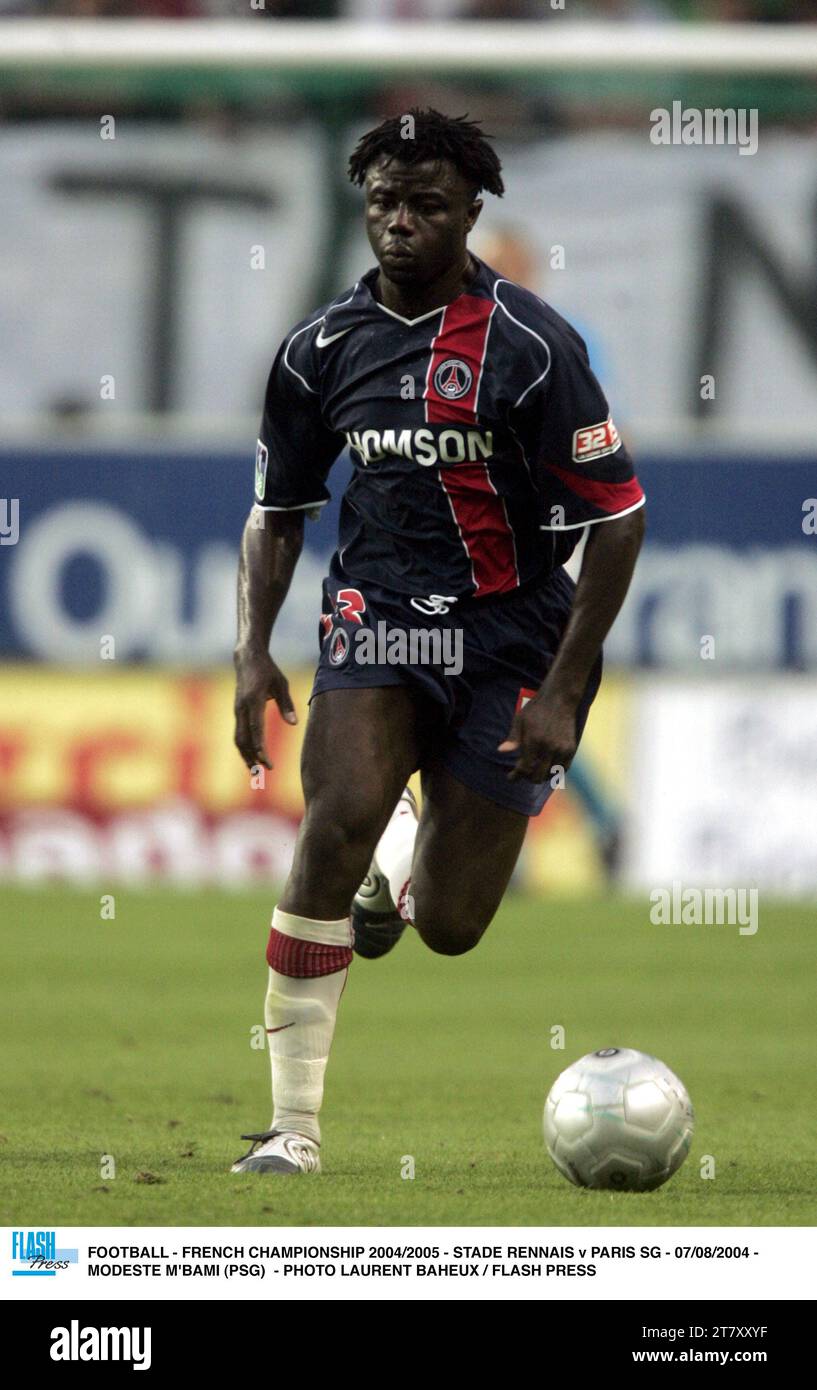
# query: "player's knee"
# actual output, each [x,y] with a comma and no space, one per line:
[334,831]
[446,935]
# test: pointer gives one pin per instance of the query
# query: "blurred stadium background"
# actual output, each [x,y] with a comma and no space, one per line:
[174,198]
[166,220]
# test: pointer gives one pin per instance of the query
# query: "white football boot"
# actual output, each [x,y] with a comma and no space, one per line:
[276,1152]
[376,923]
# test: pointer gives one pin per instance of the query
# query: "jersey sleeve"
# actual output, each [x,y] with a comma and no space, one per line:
[295,448]
[582,469]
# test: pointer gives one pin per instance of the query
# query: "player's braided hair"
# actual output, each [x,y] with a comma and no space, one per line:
[433,136]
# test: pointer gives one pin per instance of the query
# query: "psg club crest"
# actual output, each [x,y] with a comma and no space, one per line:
[453,379]
[338,647]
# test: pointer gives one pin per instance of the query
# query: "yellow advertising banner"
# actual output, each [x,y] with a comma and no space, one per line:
[132,773]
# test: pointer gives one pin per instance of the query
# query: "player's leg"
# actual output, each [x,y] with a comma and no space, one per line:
[359,749]
[474,818]
[466,850]
[447,874]
[378,919]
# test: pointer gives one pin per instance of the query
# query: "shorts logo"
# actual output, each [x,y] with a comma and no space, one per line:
[594,441]
[350,603]
[434,603]
[261,460]
[338,647]
[453,379]
[522,698]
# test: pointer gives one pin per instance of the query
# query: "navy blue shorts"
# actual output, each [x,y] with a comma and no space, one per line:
[504,646]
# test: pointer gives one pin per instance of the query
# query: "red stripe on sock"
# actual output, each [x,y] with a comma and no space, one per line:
[405,902]
[305,960]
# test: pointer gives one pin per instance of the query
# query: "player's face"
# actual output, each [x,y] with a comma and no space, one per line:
[417,219]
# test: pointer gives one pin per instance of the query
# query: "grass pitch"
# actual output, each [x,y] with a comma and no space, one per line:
[132,1038]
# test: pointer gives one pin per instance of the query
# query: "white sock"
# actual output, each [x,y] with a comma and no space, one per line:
[394,853]
[300,1012]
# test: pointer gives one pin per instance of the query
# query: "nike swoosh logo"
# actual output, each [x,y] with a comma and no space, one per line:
[322,342]
[282,1027]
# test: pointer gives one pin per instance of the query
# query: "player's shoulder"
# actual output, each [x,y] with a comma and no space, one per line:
[531,324]
[309,327]
[331,309]
[299,352]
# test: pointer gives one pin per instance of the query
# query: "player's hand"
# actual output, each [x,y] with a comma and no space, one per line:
[258,680]
[544,734]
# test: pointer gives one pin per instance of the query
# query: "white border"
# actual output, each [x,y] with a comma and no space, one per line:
[593,521]
[301,507]
[411,322]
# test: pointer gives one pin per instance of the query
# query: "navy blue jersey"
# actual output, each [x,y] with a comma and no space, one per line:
[481,441]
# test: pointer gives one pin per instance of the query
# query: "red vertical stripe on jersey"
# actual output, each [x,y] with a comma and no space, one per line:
[483,526]
[480,514]
[462,338]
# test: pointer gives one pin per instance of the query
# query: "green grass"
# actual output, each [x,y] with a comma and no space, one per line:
[132,1038]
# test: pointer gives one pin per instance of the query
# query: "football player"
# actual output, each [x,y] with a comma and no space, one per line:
[483,447]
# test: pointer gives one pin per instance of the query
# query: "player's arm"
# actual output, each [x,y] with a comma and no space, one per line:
[295,452]
[545,729]
[586,479]
[268,556]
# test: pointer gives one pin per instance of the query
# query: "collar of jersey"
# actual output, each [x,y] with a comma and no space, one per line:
[431,312]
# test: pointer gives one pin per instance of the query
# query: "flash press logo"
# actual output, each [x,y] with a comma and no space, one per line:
[35,1254]
[75,1343]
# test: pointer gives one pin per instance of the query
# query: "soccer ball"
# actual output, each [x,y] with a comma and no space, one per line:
[618,1119]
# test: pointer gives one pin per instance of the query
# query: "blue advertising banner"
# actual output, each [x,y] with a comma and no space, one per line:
[140,545]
